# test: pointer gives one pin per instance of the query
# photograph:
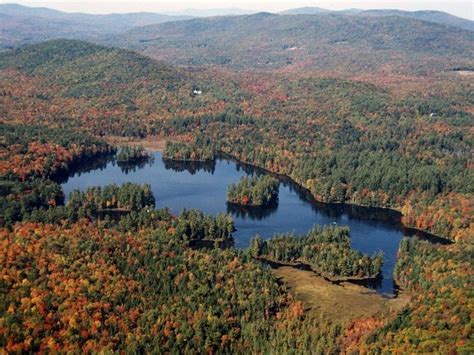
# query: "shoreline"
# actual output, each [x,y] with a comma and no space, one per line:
[241,205]
[187,160]
[441,240]
[158,144]
[299,265]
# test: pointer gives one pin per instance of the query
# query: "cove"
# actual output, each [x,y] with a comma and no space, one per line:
[179,185]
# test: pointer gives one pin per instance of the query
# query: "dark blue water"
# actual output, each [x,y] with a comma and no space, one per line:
[203,186]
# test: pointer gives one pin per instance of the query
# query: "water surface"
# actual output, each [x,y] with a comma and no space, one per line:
[203,186]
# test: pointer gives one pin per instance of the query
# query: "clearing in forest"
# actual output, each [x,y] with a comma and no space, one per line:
[345,302]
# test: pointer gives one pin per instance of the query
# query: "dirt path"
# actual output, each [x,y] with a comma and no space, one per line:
[344,302]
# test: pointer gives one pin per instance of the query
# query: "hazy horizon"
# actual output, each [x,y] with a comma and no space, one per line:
[462,9]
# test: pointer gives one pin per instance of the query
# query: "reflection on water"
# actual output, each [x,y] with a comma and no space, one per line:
[128,168]
[86,166]
[190,166]
[179,185]
[257,213]
[101,162]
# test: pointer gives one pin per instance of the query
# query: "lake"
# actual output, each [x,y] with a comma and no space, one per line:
[179,185]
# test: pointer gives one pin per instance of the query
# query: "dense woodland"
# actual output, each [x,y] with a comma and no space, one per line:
[395,131]
[254,191]
[439,317]
[327,251]
[39,152]
[86,288]
[127,197]
[18,199]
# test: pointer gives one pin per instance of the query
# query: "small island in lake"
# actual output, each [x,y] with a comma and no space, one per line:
[188,152]
[254,191]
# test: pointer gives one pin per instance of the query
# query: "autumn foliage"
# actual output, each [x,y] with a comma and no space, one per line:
[393,139]
[87,288]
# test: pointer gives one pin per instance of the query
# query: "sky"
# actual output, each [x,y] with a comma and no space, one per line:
[459,8]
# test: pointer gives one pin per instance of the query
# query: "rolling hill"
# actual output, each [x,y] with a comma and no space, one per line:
[325,42]
[193,12]
[71,83]
[430,16]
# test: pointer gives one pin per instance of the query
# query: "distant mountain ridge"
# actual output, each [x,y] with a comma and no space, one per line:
[425,15]
[137,18]
[305,11]
[344,42]
[232,11]
[21,25]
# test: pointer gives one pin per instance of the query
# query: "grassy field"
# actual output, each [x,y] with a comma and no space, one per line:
[345,302]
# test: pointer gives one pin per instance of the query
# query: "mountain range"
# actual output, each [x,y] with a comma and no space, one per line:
[328,42]
[20,25]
